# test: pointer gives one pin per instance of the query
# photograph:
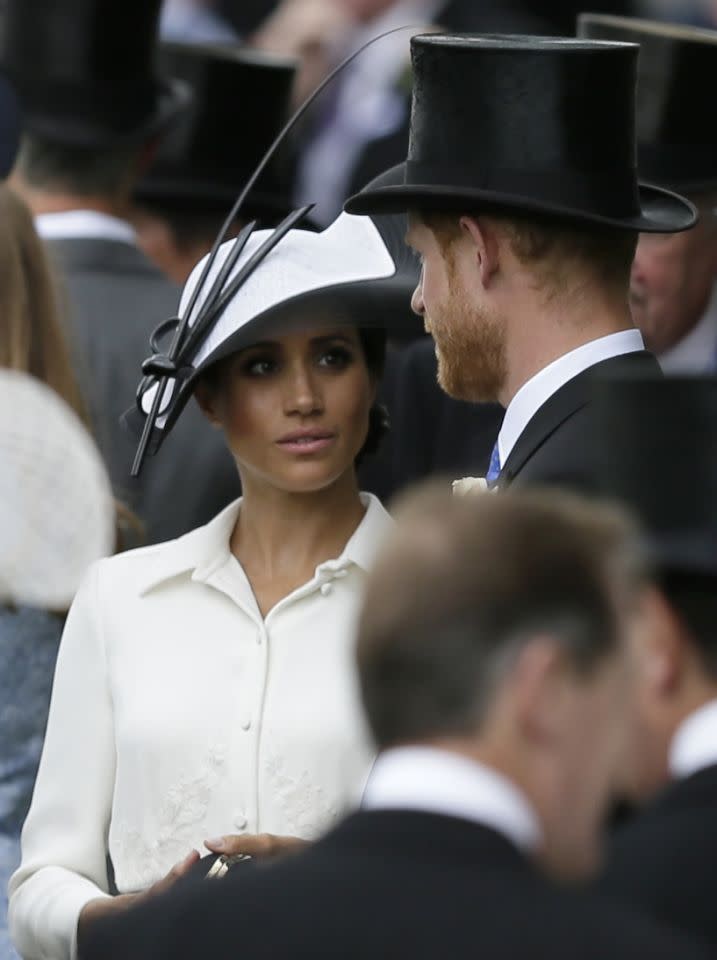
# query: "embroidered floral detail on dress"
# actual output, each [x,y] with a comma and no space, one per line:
[308,811]
[141,861]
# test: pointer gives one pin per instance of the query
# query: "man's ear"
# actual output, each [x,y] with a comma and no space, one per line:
[484,237]
[539,690]
[208,403]
[663,649]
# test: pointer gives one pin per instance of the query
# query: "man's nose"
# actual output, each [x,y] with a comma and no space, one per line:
[417,304]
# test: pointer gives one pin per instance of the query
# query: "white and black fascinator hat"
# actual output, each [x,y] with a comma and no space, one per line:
[357,271]
[260,285]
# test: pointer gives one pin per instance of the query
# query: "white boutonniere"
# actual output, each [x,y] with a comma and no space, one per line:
[469,485]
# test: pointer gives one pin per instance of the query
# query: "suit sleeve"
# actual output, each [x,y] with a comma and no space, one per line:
[64,839]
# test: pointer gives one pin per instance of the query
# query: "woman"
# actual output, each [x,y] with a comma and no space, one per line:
[31,342]
[204,686]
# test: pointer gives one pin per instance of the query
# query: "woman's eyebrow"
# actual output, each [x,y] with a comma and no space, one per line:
[330,338]
[260,345]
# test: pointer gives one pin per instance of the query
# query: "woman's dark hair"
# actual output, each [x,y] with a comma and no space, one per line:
[373,344]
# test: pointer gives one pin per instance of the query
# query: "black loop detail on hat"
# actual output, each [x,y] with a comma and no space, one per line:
[614,193]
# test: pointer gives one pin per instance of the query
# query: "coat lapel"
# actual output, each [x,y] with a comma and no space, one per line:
[564,404]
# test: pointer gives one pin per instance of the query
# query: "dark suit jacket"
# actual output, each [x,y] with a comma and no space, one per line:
[385,885]
[557,445]
[664,860]
[116,298]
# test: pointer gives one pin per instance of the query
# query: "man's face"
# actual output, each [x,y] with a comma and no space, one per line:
[469,338]
[672,281]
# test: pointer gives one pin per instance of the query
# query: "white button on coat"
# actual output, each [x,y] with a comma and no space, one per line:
[158,669]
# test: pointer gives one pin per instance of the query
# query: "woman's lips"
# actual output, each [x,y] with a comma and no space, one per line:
[307,442]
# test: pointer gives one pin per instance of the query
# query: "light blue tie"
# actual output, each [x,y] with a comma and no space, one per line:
[494,469]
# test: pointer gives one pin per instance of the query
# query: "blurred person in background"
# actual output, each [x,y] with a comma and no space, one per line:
[93,118]
[495,674]
[657,455]
[204,162]
[216,668]
[673,288]
[194,21]
[56,518]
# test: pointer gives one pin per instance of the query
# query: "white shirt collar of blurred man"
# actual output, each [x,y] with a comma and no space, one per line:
[540,388]
[84,225]
[436,781]
[694,745]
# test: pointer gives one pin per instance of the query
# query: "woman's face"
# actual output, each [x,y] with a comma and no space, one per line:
[295,408]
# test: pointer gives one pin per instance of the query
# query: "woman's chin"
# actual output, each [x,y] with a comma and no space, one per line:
[308,477]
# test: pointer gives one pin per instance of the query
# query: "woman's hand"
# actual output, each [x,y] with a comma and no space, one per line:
[261,846]
[108,906]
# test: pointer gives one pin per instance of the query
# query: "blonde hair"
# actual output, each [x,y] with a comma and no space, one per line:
[31,335]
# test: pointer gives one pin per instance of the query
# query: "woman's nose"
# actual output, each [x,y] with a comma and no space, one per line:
[303,393]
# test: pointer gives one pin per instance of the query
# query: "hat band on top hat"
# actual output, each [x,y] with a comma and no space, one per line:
[608,193]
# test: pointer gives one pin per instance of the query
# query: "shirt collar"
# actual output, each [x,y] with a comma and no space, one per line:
[696,352]
[84,225]
[204,550]
[437,781]
[694,745]
[538,390]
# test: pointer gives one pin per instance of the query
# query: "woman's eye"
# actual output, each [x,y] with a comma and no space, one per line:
[259,367]
[337,357]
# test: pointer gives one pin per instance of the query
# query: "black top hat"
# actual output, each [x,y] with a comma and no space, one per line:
[240,103]
[530,124]
[658,455]
[84,70]
[676,130]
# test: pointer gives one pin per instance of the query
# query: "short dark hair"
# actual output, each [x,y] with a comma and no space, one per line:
[83,171]
[465,582]
[693,597]
[549,246]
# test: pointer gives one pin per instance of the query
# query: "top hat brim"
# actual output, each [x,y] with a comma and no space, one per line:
[661,210]
[173,97]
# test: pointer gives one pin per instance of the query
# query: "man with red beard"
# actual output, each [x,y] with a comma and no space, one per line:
[525,209]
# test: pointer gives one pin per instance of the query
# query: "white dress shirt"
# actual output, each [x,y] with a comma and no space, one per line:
[437,781]
[179,714]
[697,352]
[540,388]
[84,225]
[694,745]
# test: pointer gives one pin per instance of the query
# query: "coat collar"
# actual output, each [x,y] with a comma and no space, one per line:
[204,550]
[564,404]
